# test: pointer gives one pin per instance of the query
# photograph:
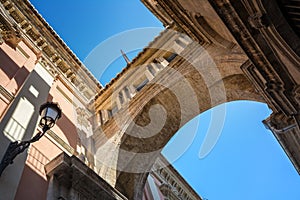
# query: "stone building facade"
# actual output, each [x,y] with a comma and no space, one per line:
[164,182]
[37,66]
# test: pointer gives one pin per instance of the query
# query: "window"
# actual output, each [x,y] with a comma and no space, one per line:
[171,57]
[109,113]
[121,97]
[141,85]
[112,111]
[157,63]
[180,43]
[127,93]
[151,69]
[100,118]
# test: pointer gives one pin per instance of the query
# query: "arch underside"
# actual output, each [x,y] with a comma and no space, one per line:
[147,149]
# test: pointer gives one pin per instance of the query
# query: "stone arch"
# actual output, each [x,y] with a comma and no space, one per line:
[147,149]
[211,33]
[128,144]
[198,79]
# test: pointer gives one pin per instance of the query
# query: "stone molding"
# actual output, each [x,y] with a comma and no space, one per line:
[72,179]
[5,95]
[173,184]
[286,131]
[278,81]
[9,32]
[274,63]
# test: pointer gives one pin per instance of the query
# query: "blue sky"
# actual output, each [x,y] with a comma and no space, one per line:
[246,163]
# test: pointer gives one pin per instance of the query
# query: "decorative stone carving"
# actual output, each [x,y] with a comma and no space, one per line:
[9,33]
[1,39]
[258,20]
[12,38]
[167,191]
[296,92]
[49,67]
[279,123]
[82,118]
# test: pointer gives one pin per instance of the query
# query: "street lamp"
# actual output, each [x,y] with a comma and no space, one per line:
[50,112]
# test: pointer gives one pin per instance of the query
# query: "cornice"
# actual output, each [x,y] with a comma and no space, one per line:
[151,50]
[182,20]
[286,132]
[158,11]
[258,47]
[172,180]
[9,32]
[73,175]
[32,25]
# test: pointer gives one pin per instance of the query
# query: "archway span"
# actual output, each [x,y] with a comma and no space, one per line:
[199,78]
[137,153]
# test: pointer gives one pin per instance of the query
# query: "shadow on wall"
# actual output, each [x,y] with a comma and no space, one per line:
[66,126]
[30,191]
[12,70]
[22,112]
[69,130]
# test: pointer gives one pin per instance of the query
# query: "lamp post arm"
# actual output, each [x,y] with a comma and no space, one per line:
[12,151]
[15,148]
[39,134]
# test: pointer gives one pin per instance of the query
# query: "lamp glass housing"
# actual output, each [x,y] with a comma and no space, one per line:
[50,112]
